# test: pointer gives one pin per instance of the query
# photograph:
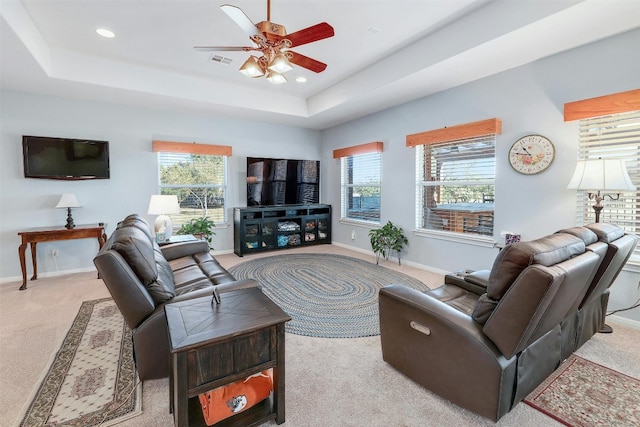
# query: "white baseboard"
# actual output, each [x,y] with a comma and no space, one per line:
[634,324]
[48,274]
[409,263]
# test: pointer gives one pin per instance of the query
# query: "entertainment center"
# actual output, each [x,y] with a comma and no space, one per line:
[264,228]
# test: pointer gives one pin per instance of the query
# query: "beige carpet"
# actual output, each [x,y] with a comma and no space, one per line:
[330,382]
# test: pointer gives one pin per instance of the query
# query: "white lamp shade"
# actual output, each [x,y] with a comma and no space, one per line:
[601,174]
[163,205]
[68,201]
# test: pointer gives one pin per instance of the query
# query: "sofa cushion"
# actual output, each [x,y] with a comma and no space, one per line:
[583,233]
[606,233]
[134,245]
[514,258]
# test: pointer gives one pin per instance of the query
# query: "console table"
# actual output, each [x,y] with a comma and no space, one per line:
[48,234]
[216,344]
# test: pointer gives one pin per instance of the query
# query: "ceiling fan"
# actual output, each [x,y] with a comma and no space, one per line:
[274,44]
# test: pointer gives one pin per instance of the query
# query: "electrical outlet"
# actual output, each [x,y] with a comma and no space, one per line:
[54,252]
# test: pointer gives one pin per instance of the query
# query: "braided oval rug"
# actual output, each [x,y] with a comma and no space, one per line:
[329,296]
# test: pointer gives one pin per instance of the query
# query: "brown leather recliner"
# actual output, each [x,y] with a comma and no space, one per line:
[484,340]
[142,277]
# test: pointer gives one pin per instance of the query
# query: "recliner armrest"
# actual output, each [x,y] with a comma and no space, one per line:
[472,281]
[178,250]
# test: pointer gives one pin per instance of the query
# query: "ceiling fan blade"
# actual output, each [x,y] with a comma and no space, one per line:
[311,34]
[306,62]
[242,20]
[223,48]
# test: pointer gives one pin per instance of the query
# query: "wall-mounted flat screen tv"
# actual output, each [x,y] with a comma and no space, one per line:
[65,158]
[282,181]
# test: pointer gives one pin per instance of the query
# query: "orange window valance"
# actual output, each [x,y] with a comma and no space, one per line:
[616,103]
[371,147]
[454,133]
[192,148]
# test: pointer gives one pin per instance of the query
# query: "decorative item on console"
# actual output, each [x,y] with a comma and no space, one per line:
[510,237]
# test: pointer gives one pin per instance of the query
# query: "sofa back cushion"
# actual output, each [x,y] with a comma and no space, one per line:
[514,258]
[145,259]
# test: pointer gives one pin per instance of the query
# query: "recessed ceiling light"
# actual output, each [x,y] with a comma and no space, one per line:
[105,33]
[301,79]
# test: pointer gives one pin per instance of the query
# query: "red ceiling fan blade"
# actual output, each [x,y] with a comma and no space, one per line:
[223,48]
[310,34]
[306,62]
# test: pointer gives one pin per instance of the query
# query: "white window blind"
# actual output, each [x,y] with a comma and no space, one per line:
[456,185]
[360,183]
[615,136]
[199,181]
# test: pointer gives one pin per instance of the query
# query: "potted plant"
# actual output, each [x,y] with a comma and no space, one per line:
[386,239]
[201,228]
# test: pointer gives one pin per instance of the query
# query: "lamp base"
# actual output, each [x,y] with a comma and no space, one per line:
[163,225]
[70,223]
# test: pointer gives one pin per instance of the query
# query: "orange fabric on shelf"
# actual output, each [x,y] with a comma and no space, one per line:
[231,399]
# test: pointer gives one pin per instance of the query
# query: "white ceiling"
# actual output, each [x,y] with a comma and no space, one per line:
[418,47]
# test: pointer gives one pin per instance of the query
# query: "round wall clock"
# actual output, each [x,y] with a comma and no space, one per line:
[531,154]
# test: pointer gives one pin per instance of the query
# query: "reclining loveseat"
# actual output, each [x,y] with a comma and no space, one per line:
[486,339]
[142,277]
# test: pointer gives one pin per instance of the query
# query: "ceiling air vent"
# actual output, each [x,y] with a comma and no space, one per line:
[221,59]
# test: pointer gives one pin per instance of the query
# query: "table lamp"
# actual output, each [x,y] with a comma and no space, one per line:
[596,175]
[163,206]
[69,201]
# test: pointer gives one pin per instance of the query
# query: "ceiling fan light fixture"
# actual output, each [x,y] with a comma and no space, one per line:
[276,78]
[252,68]
[280,63]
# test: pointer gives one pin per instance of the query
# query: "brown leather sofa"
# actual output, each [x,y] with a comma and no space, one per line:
[142,277]
[484,340]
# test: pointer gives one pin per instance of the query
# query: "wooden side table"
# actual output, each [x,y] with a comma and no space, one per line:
[217,344]
[49,234]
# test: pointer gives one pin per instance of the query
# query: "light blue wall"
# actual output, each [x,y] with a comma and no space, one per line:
[528,99]
[26,203]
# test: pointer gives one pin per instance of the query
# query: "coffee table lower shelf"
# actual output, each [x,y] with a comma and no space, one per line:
[256,415]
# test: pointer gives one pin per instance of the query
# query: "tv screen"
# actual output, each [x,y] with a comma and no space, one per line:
[282,181]
[65,158]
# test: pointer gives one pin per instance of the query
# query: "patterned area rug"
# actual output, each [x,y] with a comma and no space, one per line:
[92,380]
[581,393]
[330,296]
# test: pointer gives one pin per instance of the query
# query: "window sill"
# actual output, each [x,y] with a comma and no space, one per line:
[358,223]
[469,239]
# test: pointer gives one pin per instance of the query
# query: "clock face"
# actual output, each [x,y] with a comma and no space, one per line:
[531,154]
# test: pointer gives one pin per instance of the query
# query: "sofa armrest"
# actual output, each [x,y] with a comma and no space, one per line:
[445,351]
[473,281]
[178,250]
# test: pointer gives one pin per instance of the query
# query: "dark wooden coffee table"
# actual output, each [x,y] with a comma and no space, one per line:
[216,344]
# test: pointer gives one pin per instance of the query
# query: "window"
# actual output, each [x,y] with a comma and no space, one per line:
[455,180]
[615,136]
[360,182]
[197,174]
[455,185]
[609,128]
